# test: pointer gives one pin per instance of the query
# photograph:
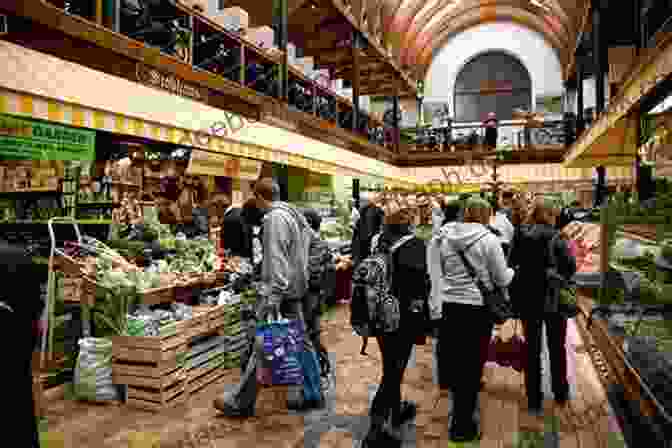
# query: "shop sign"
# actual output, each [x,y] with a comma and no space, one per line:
[22,139]
[154,78]
[206,163]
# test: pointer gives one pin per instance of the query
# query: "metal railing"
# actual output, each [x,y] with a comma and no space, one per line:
[511,135]
[194,39]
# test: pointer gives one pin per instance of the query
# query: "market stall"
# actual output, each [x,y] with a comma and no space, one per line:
[172,324]
[624,297]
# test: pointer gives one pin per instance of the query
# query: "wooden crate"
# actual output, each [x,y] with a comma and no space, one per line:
[68,265]
[152,349]
[155,296]
[200,325]
[199,382]
[157,400]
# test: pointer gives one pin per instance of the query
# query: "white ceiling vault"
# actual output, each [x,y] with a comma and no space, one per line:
[415,30]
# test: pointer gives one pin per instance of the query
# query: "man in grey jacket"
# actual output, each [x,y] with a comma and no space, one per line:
[284,274]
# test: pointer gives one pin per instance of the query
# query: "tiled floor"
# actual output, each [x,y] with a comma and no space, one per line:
[585,424]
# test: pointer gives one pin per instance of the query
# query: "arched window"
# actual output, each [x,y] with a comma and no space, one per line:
[492,82]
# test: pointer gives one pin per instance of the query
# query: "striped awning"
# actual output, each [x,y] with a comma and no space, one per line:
[36,107]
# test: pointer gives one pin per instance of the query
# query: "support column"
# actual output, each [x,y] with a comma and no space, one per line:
[580,124]
[568,113]
[355,193]
[637,17]
[281,13]
[395,126]
[598,57]
[356,46]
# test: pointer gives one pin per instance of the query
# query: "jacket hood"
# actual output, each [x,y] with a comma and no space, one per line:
[463,234]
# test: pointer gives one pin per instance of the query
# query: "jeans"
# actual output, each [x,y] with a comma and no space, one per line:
[396,350]
[311,312]
[556,333]
[244,396]
[465,331]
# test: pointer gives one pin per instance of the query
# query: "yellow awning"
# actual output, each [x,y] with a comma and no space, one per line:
[616,146]
[208,152]
[611,140]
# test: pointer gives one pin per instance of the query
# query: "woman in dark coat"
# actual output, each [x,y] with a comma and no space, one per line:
[410,284]
[536,302]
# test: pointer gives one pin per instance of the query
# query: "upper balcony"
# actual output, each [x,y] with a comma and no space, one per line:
[518,141]
[228,69]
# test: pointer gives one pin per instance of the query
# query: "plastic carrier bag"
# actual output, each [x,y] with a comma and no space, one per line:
[281,345]
[93,371]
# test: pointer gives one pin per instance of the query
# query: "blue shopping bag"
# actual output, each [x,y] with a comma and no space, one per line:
[281,346]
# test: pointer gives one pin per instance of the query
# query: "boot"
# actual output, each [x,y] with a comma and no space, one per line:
[225,404]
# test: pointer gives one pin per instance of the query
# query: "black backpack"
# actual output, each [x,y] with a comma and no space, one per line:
[373,309]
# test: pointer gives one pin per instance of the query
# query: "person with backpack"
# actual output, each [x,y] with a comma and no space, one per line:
[319,261]
[284,274]
[539,255]
[390,302]
[369,224]
[460,257]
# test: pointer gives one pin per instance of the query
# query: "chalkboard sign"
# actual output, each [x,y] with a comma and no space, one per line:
[35,237]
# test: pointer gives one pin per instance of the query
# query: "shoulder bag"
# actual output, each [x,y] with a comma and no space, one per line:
[495,300]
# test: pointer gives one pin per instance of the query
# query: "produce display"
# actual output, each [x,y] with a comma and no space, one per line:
[424,232]
[146,322]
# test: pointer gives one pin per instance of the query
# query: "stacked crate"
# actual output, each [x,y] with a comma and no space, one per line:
[206,350]
[162,371]
[235,332]
[153,367]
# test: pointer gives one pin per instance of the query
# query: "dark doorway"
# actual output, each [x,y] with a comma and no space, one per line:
[492,82]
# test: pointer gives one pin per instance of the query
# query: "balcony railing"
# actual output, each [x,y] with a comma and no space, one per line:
[511,135]
[193,38]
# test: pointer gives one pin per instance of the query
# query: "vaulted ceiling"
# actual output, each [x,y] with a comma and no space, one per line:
[416,29]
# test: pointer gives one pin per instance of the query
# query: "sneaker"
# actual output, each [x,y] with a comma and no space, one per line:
[562,399]
[467,433]
[307,405]
[407,412]
[535,412]
[231,410]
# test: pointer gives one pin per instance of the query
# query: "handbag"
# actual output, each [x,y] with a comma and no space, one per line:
[494,299]
[510,353]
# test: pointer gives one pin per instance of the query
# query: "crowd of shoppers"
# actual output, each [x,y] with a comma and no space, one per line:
[508,246]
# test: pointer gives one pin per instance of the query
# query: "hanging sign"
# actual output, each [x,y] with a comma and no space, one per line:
[23,139]
[219,165]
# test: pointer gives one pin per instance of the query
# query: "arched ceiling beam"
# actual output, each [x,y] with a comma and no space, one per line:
[443,7]
[427,41]
[425,58]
